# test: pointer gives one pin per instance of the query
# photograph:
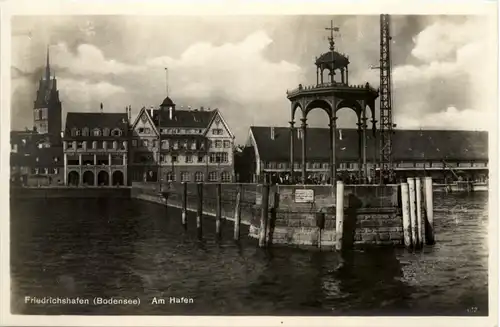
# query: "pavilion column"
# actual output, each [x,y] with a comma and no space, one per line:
[360,150]
[304,148]
[317,75]
[347,75]
[66,169]
[322,76]
[342,75]
[292,145]
[333,147]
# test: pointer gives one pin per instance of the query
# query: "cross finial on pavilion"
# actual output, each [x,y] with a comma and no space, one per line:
[330,38]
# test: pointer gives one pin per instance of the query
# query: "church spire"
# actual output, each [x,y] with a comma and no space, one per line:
[47,67]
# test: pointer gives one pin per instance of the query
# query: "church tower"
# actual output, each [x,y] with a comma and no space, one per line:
[47,111]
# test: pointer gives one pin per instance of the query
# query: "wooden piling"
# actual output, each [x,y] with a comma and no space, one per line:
[184,206]
[339,215]
[405,208]
[218,209]
[264,215]
[199,211]
[418,200]
[413,213]
[429,212]
[237,214]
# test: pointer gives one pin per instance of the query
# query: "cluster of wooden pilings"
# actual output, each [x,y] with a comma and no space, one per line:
[218,210]
[418,212]
[267,212]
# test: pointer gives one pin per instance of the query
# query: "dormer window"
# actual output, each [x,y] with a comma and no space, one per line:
[85,131]
[116,132]
[96,132]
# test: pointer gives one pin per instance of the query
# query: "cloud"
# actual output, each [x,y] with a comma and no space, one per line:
[452,119]
[238,71]
[85,94]
[87,60]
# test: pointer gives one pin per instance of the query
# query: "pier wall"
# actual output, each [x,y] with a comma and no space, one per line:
[371,213]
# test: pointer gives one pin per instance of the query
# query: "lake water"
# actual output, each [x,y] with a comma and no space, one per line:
[113,248]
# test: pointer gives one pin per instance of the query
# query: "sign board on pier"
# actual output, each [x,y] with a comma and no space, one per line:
[304,195]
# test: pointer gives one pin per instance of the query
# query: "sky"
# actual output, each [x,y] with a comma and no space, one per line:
[243,65]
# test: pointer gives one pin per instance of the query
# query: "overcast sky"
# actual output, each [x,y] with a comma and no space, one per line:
[243,65]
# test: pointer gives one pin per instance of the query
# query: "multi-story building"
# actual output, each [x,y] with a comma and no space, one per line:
[36,155]
[170,144]
[33,162]
[96,148]
[444,155]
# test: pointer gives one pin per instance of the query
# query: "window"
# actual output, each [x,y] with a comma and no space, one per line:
[96,132]
[198,176]
[170,176]
[147,130]
[218,144]
[218,157]
[124,145]
[164,144]
[227,144]
[193,145]
[79,145]
[46,171]
[176,145]
[94,145]
[212,177]
[141,130]
[225,177]
[56,159]
[56,171]
[106,131]
[200,158]
[217,131]
[134,143]
[185,176]
[155,143]
[85,131]
[174,158]
[116,132]
[115,145]
[189,158]
[145,143]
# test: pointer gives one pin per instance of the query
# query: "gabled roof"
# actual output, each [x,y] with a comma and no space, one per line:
[408,145]
[183,118]
[93,120]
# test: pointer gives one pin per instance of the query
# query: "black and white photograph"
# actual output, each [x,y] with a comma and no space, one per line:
[333,164]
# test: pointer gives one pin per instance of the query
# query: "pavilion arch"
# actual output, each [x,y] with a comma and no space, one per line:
[319,104]
[351,104]
[295,106]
